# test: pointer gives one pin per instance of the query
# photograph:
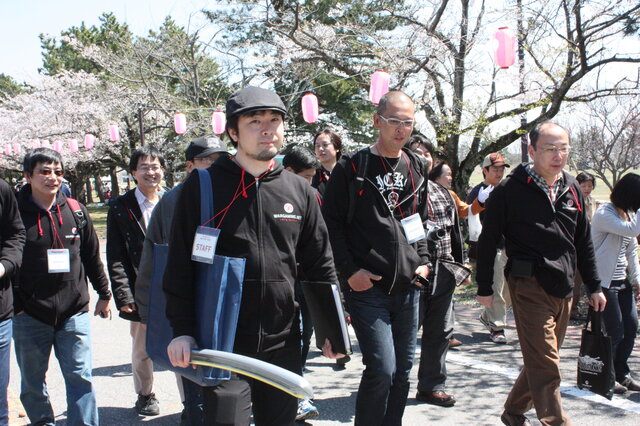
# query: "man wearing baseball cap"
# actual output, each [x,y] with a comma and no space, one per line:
[272,219]
[494,317]
[203,151]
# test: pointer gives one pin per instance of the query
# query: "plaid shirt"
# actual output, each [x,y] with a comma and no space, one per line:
[441,212]
[551,191]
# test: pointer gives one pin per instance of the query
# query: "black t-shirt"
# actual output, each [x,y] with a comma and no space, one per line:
[394,182]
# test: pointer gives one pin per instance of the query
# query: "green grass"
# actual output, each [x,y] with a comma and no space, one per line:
[99,218]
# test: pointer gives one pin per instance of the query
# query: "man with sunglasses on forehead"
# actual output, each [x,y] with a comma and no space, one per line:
[51,295]
[539,211]
[380,251]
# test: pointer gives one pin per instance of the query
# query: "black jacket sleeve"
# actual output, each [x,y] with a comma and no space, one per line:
[178,283]
[90,255]
[584,247]
[314,250]
[490,239]
[117,258]
[335,206]
[12,232]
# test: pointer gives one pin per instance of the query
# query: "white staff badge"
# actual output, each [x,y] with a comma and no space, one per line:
[58,260]
[413,228]
[204,244]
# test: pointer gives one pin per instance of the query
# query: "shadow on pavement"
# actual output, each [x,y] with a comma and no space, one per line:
[118,416]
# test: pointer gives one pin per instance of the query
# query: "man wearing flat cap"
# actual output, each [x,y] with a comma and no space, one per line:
[271,218]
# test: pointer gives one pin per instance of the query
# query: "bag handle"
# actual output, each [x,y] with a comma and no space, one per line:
[595,318]
[206,196]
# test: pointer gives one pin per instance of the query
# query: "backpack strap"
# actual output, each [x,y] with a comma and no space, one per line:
[206,196]
[78,214]
[356,184]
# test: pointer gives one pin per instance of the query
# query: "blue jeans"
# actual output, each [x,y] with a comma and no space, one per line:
[71,341]
[621,322]
[5,351]
[386,329]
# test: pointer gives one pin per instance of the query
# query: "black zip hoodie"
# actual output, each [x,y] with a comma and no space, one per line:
[54,297]
[375,239]
[274,223]
[12,238]
[554,236]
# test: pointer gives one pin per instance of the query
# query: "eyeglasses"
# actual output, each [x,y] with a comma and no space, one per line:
[206,160]
[153,168]
[49,172]
[565,150]
[394,122]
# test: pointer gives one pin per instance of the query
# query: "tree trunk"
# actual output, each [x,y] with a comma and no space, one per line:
[99,187]
[169,178]
[115,188]
[89,195]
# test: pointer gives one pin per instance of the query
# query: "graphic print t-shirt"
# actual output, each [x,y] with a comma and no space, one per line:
[392,179]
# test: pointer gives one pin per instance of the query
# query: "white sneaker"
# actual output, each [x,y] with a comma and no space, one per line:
[306,410]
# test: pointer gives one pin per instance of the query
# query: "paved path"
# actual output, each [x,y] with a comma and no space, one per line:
[480,376]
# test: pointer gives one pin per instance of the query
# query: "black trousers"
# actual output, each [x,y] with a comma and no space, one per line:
[231,402]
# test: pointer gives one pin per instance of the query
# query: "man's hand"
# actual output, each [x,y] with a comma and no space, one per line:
[103,308]
[361,280]
[483,194]
[423,271]
[598,301]
[327,350]
[129,308]
[485,300]
[179,351]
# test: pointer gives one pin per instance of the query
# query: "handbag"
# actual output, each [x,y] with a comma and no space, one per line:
[595,360]
[475,226]
[218,294]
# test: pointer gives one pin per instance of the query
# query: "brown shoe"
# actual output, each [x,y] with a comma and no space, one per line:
[630,384]
[454,343]
[514,419]
[440,398]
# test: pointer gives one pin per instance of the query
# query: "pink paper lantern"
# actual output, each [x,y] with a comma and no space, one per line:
[506,48]
[73,145]
[114,133]
[310,108]
[379,86]
[218,122]
[45,144]
[7,149]
[17,148]
[57,146]
[89,140]
[180,123]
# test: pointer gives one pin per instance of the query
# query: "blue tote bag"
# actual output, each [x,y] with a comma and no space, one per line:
[218,292]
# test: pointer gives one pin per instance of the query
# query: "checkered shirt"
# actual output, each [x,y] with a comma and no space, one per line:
[442,213]
[542,183]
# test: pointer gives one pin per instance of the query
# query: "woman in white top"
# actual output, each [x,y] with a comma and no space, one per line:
[614,229]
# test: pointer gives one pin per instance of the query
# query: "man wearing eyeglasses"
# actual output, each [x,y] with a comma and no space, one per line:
[539,211]
[127,222]
[51,298]
[200,154]
[380,251]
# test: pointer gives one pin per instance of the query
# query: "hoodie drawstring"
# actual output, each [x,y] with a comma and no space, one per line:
[575,196]
[40,233]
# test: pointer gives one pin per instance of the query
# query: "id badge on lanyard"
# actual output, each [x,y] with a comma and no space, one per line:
[204,244]
[413,228]
[58,260]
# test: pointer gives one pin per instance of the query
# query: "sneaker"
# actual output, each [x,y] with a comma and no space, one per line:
[631,384]
[498,337]
[484,322]
[619,389]
[306,410]
[147,405]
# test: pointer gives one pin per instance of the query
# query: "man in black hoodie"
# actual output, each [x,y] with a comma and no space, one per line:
[380,250]
[12,236]
[539,211]
[272,219]
[51,295]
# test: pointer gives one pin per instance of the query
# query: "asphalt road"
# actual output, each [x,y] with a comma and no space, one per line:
[480,376]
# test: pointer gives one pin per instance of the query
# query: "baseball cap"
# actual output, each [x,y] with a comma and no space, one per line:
[204,146]
[494,159]
[252,98]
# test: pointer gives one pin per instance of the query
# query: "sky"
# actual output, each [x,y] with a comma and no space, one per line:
[21,22]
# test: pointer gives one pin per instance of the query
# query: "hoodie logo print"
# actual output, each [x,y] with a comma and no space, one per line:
[287,216]
[288,208]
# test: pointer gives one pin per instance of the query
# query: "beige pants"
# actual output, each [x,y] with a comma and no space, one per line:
[141,364]
[496,315]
